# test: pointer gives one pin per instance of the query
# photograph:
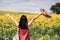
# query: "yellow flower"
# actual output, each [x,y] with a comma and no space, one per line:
[41,38]
[48,37]
[56,35]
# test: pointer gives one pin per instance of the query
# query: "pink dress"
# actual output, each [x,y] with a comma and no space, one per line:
[24,34]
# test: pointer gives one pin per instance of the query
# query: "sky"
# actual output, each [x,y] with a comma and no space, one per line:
[27,5]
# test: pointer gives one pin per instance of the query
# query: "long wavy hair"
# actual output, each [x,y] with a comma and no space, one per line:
[23,23]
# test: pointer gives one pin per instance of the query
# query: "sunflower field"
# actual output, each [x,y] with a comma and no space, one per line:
[42,28]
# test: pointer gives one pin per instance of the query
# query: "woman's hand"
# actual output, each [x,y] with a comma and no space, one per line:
[8,15]
[47,15]
[43,12]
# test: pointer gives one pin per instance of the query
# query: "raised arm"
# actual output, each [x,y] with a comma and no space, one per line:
[12,19]
[32,20]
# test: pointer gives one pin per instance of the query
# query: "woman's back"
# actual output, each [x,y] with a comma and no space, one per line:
[24,34]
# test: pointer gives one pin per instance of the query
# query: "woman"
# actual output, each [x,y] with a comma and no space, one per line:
[23,31]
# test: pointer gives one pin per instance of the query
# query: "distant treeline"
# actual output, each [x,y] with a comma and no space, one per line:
[2,12]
